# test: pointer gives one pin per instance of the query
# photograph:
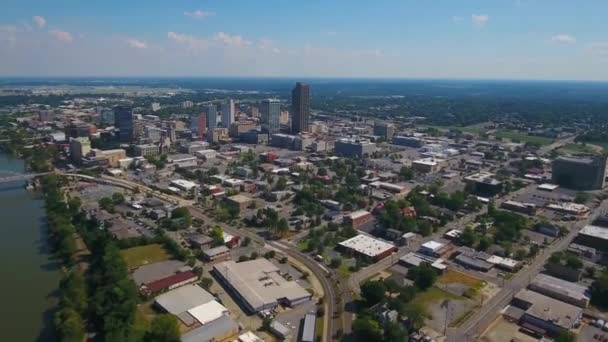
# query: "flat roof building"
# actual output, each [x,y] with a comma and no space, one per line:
[593,236]
[580,173]
[368,247]
[179,301]
[545,315]
[571,293]
[357,218]
[259,285]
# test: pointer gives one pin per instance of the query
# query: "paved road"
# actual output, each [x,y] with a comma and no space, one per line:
[489,311]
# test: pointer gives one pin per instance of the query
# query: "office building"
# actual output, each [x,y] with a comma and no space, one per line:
[211,112]
[198,123]
[300,108]
[354,148]
[428,165]
[147,150]
[79,147]
[580,173]
[123,117]
[227,113]
[77,130]
[271,111]
[384,129]
[153,134]
[187,104]
[367,247]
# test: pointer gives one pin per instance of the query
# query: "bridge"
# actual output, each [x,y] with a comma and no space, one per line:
[11,176]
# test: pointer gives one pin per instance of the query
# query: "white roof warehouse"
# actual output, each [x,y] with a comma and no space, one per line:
[259,285]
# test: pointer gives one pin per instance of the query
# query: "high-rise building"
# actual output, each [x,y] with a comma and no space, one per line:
[187,104]
[580,173]
[153,134]
[211,111]
[123,117]
[384,129]
[227,113]
[300,108]
[271,111]
[198,123]
[77,130]
[79,147]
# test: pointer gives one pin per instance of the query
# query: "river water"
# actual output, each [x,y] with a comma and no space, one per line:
[28,278]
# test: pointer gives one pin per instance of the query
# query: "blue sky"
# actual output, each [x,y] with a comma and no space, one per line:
[515,39]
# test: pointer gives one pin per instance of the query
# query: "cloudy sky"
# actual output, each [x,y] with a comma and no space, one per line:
[515,39]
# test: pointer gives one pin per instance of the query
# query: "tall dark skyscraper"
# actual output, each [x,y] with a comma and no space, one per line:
[123,120]
[300,107]
[271,111]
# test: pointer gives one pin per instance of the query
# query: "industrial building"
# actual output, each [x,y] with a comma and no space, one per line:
[544,315]
[215,254]
[179,301]
[433,248]
[223,329]
[258,285]
[308,328]
[593,236]
[239,201]
[520,207]
[579,173]
[367,247]
[560,289]
[485,183]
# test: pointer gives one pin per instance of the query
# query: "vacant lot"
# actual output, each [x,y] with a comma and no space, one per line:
[452,276]
[142,255]
[582,149]
[443,307]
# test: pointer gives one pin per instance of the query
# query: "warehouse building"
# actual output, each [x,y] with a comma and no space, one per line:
[593,236]
[560,289]
[544,315]
[179,301]
[259,285]
[219,330]
[367,247]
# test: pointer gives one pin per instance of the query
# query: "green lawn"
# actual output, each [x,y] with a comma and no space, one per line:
[303,245]
[522,137]
[142,255]
[465,129]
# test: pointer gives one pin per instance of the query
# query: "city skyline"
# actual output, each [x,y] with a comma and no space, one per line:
[395,39]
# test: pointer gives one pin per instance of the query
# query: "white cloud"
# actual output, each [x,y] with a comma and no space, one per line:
[8,34]
[39,21]
[136,44]
[457,19]
[598,48]
[480,20]
[230,39]
[192,43]
[199,14]
[62,36]
[563,39]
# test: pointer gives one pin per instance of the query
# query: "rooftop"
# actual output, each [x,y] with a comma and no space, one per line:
[259,283]
[357,214]
[560,286]
[211,331]
[549,309]
[158,270]
[432,245]
[367,245]
[208,312]
[183,299]
[595,231]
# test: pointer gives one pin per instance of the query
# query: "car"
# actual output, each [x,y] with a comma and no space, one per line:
[605,326]
[599,323]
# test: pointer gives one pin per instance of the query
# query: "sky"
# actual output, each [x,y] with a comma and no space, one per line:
[487,39]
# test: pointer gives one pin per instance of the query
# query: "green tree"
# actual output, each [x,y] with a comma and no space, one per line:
[566,336]
[164,328]
[424,276]
[599,291]
[415,312]
[335,262]
[467,238]
[118,198]
[217,234]
[366,329]
[69,325]
[394,332]
[373,292]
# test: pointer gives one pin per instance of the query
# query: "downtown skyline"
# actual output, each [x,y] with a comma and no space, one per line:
[550,40]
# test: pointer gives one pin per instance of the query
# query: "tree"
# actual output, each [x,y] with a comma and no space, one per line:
[424,276]
[246,241]
[373,292]
[281,184]
[206,283]
[394,332]
[118,198]
[484,244]
[415,312]
[573,262]
[566,336]
[581,197]
[366,329]
[269,254]
[520,254]
[106,204]
[599,291]
[69,325]
[164,328]
[217,234]
[335,262]
[182,213]
[467,238]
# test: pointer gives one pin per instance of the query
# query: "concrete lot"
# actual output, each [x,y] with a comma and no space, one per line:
[502,330]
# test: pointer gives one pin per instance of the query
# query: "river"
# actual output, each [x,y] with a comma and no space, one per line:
[29,278]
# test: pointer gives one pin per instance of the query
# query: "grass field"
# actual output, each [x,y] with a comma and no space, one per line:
[522,137]
[465,129]
[452,276]
[142,255]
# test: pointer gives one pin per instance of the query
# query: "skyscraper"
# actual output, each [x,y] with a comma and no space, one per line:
[123,121]
[227,113]
[211,111]
[300,107]
[271,111]
[198,123]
